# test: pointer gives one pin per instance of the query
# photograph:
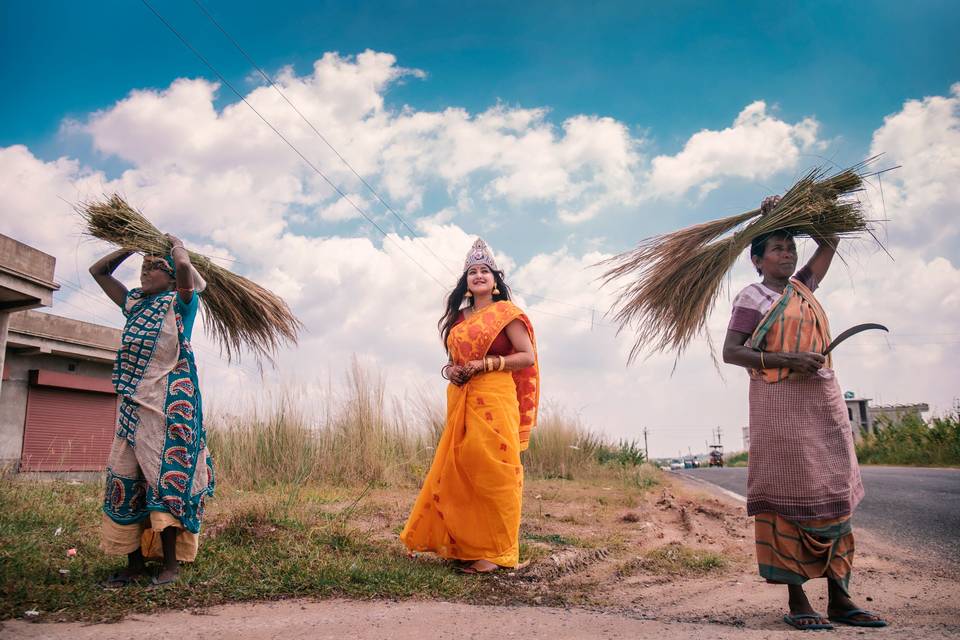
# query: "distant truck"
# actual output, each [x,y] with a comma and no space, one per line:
[716,455]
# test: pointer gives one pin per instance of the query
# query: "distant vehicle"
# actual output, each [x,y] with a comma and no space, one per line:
[716,455]
[691,463]
[675,464]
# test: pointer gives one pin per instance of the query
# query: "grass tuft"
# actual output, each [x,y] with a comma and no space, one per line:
[675,558]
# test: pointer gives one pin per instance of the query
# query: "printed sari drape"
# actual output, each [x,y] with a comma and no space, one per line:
[469,505]
[159,470]
[795,323]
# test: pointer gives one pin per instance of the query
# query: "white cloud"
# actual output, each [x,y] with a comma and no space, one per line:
[757,146]
[224,183]
[922,195]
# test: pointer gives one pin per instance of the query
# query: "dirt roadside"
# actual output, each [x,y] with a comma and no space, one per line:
[337,619]
[601,586]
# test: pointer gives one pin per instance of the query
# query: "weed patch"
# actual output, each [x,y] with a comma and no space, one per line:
[675,558]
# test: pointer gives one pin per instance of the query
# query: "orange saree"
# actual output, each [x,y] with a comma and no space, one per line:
[469,505]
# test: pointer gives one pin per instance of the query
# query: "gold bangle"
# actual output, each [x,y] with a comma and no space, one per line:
[487,365]
[762,365]
[503,363]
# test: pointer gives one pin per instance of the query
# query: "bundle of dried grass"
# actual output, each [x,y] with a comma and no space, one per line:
[237,312]
[674,279]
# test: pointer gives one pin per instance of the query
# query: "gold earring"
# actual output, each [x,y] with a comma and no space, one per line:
[468,294]
[496,291]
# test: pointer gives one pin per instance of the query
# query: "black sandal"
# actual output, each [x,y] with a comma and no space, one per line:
[119,580]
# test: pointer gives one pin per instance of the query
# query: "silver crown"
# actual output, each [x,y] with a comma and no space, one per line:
[480,253]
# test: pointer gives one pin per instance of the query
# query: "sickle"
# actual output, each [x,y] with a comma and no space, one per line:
[852,331]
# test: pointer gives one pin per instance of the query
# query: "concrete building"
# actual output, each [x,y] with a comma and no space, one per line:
[57,402]
[867,418]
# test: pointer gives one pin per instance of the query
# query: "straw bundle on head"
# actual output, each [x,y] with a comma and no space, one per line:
[238,312]
[674,279]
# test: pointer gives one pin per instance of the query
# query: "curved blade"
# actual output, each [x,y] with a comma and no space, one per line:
[852,331]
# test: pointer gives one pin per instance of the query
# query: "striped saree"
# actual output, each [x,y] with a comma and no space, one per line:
[791,552]
[469,505]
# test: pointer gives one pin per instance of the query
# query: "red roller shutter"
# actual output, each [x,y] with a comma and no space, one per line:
[67,429]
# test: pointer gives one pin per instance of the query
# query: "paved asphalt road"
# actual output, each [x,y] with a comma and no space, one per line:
[916,507]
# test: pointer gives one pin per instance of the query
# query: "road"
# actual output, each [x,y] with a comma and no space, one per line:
[912,506]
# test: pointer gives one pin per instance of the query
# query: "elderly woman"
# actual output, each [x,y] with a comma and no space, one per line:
[803,480]
[469,506]
[159,470]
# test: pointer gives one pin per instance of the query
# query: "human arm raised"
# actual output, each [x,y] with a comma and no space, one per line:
[102,272]
[819,262]
[181,261]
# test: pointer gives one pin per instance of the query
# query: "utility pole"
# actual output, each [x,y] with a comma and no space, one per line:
[646,449]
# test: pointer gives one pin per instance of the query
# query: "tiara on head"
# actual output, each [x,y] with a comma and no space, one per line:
[480,253]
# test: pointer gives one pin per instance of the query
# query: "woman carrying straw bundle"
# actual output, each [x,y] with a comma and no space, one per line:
[803,478]
[159,470]
[469,506]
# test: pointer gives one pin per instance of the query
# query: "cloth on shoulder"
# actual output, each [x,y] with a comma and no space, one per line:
[754,300]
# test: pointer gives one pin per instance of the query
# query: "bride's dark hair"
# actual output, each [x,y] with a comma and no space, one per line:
[456,299]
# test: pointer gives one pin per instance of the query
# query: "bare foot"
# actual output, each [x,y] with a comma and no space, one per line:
[481,566]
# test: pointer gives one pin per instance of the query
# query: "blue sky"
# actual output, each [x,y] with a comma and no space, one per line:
[673,68]
[654,120]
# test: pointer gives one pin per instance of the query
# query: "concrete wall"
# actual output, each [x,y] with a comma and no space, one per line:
[50,332]
[13,394]
[26,260]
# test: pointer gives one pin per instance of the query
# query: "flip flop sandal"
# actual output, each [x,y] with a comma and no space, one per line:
[156,583]
[120,580]
[848,619]
[793,621]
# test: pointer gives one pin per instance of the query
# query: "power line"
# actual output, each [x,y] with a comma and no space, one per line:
[346,163]
[333,186]
[273,84]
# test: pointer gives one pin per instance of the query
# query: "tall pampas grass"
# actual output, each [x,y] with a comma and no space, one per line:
[669,283]
[237,312]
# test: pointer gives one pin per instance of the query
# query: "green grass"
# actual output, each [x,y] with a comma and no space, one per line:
[675,558]
[292,515]
[912,441]
[554,539]
[251,551]
[737,459]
